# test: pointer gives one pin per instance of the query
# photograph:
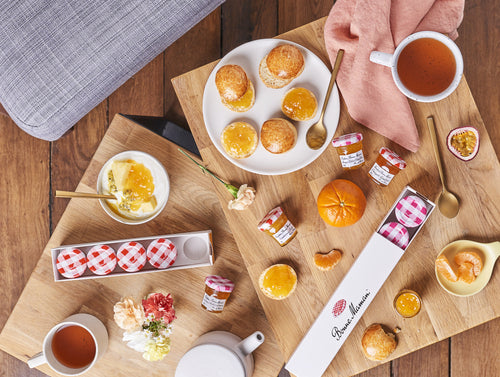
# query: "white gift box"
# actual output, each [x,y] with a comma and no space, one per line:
[354,294]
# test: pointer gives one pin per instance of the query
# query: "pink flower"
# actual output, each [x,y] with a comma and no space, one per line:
[160,306]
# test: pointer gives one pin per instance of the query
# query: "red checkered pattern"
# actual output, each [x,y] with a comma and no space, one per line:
[411,211]
[270,218]
[339,307]
[101,259]
[348,139]
[219,283]
[161,253]
[71,263]
[131,256]
[392,157]
[396,233]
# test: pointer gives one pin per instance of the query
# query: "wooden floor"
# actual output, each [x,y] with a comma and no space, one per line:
[33,169]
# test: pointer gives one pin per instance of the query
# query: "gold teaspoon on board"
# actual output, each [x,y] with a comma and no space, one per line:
[447,202]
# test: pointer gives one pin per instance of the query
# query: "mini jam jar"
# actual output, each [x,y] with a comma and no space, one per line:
[277,225]
[217,291]
[350,150]
[387,165]
[407,303]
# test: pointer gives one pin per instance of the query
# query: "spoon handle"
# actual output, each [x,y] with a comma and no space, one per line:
[70,194]
[432,130]
[335,71]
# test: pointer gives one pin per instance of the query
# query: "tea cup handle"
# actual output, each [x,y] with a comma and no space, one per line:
[381,58]
[37,360]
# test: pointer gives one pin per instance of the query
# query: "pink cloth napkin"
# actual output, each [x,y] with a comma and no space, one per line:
[362,26]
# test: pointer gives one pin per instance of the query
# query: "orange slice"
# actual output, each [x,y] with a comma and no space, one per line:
[326,261]
[470,257]
[466,272]
[445,269]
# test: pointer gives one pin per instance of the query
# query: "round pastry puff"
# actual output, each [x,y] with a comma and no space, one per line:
[239,140]
[281,65]
[377,344]
[278,135]
[236,90]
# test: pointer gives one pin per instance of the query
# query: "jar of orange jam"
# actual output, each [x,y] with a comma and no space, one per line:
[217,291]
[387,165]
[277,225]
[407,303]
[350,150]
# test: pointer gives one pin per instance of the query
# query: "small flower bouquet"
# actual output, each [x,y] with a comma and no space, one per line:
[147,325]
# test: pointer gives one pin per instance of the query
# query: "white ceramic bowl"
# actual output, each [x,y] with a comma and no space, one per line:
[160,180]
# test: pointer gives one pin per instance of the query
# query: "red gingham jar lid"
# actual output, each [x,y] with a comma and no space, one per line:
[411,211]
[396,233]
[392,157]
[71,263]
[131,256]
[347,139]
[219,283]
[101,259]
[161,253]
[270,218]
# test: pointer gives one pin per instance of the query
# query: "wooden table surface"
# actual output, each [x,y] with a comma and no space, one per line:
[30,213]
[475,183]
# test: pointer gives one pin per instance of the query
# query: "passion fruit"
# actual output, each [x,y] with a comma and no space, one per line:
[463,142]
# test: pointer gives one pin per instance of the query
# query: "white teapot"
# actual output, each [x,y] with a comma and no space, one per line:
[220,354]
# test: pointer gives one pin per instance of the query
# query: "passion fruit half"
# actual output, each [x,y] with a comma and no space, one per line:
[463,142]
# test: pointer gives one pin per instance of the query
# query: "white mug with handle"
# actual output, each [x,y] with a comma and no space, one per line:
[88,322]
[391,61]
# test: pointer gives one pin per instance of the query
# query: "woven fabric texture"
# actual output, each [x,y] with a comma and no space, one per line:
[61,58]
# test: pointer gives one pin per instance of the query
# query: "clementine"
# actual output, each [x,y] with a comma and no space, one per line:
[444,268]
[341,203]
[326,261]
[470,257]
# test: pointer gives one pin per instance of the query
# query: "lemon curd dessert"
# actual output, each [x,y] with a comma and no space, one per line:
[278,281]
[133,185]
[407,303]
[299,104]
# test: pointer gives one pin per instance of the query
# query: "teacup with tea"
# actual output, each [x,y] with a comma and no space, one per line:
[73,346]
[426,66]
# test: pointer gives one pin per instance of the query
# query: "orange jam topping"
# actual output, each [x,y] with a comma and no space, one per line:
[299,104]
[279,281]
[408,303]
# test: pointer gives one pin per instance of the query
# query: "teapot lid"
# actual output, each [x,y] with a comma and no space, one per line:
[210,360]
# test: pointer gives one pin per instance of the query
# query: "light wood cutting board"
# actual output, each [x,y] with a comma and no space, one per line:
[192,206]
[475,182]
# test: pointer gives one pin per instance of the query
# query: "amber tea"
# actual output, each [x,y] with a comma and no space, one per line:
[426,66]
[73,346]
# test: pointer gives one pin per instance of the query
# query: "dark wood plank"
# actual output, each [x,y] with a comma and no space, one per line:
[295,13]
[198,46]
[24,224]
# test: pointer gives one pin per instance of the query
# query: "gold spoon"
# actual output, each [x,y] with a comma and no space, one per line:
[489,253]
[70,194]
[316,134]
[447,202]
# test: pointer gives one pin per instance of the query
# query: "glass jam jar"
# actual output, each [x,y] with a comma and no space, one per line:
[387,165]
[407,303]
[217,291]
[350,150]
[277,225]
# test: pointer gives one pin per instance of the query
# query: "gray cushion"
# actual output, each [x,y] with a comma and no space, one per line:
[61,58]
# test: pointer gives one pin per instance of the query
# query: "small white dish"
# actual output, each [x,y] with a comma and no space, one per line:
[160,180]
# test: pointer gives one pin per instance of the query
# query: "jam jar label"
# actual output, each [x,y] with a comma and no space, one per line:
[352,159]
[212,303]
[381,174]
[284,233]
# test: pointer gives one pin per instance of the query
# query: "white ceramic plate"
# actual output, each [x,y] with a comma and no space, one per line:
[315,77]
[160,180]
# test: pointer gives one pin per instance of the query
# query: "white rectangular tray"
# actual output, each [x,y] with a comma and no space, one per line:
[194,249]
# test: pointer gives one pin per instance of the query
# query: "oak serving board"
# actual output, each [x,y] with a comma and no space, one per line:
[192,206]
[475,182]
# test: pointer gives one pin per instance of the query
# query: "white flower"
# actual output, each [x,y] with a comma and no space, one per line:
[137,340]
[245,197]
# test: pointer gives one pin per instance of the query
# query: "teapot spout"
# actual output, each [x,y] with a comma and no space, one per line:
[249,344]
